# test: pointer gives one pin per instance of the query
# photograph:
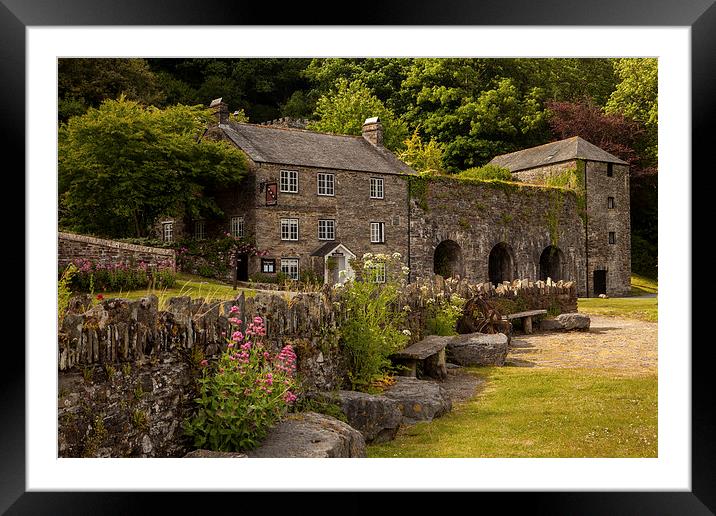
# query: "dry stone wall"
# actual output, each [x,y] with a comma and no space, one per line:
[100,250]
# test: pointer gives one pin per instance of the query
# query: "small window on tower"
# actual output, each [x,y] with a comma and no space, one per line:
[610,202]
[612,237]
[610,169]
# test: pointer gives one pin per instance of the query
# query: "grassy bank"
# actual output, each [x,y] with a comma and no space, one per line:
[186,285]
[527,412]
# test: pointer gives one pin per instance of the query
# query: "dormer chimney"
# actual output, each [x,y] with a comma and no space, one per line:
[220,110]
[373,131]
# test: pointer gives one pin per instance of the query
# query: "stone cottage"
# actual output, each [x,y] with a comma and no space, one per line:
[313,201]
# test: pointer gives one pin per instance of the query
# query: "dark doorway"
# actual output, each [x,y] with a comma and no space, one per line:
[551,264]
[447,260]
[600,282]
[501,266]
[242,267]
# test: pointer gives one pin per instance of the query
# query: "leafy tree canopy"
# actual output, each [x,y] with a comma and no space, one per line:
[123,165]
[344,109]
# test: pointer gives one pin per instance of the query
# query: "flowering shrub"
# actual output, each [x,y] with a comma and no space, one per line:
[370,320]
[213,258]
[91,276]
[244,393]
[443,316]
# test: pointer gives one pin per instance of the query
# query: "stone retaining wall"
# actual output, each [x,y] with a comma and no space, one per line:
[71,247]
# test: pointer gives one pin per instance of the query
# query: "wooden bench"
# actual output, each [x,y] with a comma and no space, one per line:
[527,316]
[430,351]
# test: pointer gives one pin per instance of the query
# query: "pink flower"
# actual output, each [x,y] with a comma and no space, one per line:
[258,321]
[204,363]
[237,336]
[234,309]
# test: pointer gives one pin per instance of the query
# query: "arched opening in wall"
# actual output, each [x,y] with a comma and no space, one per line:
[447,260]
[501,264]
[551,264]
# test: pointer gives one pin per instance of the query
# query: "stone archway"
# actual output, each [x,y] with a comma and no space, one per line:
[551,264]
[447,259]
[501,264]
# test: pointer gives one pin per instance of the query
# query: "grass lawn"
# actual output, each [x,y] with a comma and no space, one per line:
[527,412]
[186,285]
[645,309]
[641,285]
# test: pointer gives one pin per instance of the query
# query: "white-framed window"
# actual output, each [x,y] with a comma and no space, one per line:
[326,229]
[378,273]
[199,230]
[289,181]
[326,184]
[289,266]
[236,227]
[268,265]
[612,237]
[376,188]
[289,229]
[377,232]
[168,231]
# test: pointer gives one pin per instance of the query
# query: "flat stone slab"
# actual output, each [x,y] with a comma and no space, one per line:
[423,349]
[311,435]
[472,349]
[566,322]
[209,454]
[418,400]
[529,313]
[376,417]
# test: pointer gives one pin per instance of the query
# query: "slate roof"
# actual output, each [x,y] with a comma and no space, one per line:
[280,145]
[327,248]
[555,152]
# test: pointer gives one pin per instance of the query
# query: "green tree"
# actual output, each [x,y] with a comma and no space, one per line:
[636,96]
[84,83]
[345,108]
[423,157]
[122,165]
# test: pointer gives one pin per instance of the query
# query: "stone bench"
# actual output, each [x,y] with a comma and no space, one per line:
[527,316]
[430,351]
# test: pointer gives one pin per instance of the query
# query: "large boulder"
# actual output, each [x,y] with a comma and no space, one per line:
[418,400]
[566,322]
[311,435]
[574,321]
[376,417]
[473,349]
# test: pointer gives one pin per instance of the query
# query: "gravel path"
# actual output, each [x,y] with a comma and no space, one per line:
[623,346]
[619,344]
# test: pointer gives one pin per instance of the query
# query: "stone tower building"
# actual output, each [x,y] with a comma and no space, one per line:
[603,184]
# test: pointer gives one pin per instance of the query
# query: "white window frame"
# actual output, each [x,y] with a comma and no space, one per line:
[168,236]
[377,188]
[326,229]
[265,262]
[288,182]
[290,267]
[289,225]
[377,232]
[199,230]
[326,184]
[236,226]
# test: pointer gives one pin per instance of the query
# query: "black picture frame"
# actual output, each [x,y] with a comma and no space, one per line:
[17,15]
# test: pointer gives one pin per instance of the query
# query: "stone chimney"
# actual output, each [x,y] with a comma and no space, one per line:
[373,131]
[220,110]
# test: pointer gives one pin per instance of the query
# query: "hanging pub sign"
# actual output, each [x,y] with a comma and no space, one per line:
[271,194]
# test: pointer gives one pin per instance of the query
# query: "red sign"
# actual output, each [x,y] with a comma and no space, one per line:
[271,194]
